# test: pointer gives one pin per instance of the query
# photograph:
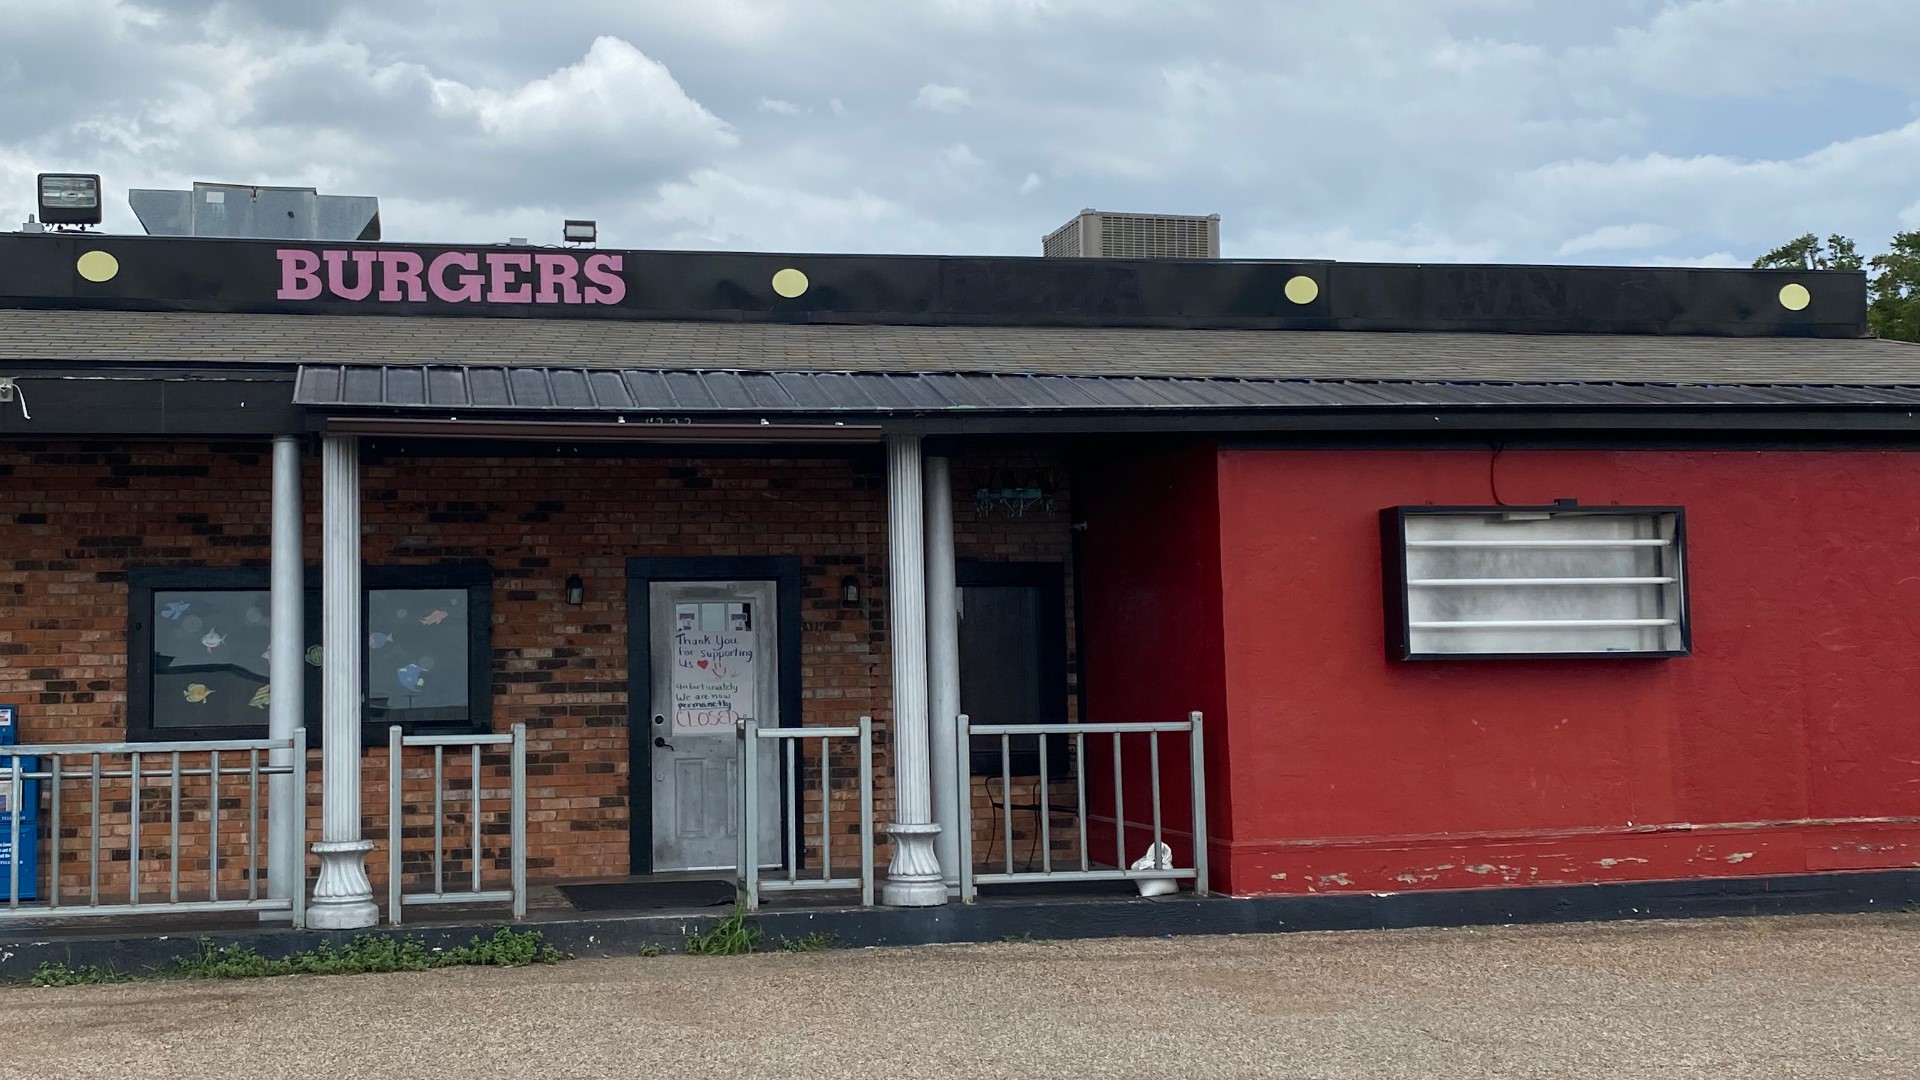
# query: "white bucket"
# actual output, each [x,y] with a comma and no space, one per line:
[1158,857]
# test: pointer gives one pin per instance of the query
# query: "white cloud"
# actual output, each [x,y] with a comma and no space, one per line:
[946,99]
[1620,238]
[1751,47]
[1418,244]
[1722,260]
[779,107]
[1854,186]
[717,209]
[613,94]
[961,158]
[1031,184]
[324,112]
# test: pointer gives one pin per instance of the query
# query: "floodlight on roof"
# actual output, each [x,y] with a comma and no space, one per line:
[70,198]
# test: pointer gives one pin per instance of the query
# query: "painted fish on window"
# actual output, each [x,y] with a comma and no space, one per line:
[433,618]
[196,693]
[316,654]
[261,698]
[175,609]
[213,640]
[412,678]
[378,640]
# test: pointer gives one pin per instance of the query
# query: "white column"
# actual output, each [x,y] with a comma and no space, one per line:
[286,835]
[913,877]
[950,782]
[342,897]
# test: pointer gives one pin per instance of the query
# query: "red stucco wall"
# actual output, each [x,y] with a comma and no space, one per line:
[1789,742]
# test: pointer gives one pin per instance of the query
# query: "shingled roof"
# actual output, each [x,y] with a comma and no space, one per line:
[192,339]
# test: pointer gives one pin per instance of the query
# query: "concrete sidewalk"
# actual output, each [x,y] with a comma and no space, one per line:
[1820,996]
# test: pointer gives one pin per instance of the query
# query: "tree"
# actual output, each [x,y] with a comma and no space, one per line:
[1894,307]
[1808,253]
[1893,285]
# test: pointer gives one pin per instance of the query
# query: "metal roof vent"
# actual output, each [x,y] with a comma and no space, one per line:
[1097,234]
[256,212]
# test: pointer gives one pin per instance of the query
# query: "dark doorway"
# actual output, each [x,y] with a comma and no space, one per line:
[1013,659]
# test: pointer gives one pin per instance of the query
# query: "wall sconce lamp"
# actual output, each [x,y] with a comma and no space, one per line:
[576,590]
[850,589]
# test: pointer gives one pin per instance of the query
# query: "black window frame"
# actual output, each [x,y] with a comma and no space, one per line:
[143,582]
[477,580]
[1397,605]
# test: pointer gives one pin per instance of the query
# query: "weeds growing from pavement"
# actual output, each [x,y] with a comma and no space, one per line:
[814,942]
[731,936]
[366,954]
[52,974]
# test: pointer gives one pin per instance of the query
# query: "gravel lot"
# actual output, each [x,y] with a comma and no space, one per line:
[1776,998]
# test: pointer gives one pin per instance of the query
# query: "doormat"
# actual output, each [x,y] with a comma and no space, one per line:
[649,895]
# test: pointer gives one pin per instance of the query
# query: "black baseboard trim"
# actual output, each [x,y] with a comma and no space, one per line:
[24,949]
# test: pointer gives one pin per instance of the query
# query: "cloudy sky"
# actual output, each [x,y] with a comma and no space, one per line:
[1613,131]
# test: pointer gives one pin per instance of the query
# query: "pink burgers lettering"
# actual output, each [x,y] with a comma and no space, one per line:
[451,277]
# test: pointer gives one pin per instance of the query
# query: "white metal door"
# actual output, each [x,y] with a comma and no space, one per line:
[714,662]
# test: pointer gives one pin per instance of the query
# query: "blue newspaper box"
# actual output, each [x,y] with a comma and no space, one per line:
[28,812]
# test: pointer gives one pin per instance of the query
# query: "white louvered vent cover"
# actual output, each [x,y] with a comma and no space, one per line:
[1095,234]
[1139,236]
[1063,242]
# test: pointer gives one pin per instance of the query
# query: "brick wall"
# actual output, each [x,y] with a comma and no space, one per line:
[74,516]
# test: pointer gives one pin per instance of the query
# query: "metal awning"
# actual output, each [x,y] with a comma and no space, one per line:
[549,391]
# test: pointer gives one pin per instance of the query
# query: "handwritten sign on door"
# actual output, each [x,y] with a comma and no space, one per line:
[714,675]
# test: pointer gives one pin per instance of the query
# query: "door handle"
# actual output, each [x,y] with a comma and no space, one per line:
[662,743]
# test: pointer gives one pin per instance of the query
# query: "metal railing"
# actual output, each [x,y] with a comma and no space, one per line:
[476,893]
[145,765]
[1083,868]
[789,742]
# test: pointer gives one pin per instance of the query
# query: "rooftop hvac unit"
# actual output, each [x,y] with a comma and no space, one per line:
[256,212]
[1096,234]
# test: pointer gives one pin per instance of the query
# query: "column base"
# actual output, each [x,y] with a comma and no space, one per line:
[342,896]
[342,915]
[913,877]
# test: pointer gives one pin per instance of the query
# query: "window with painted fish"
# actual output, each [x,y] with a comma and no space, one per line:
[209,657]
[200,652]
[418,668]
[199,646]
[426,664]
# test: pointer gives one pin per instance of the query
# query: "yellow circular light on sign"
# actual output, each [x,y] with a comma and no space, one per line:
[789,283]
[1795,297]
[1303,289]
[97,266]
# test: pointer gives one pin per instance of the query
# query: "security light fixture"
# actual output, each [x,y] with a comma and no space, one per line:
[850,589]
[70,198]
[576,590]
[580,232]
